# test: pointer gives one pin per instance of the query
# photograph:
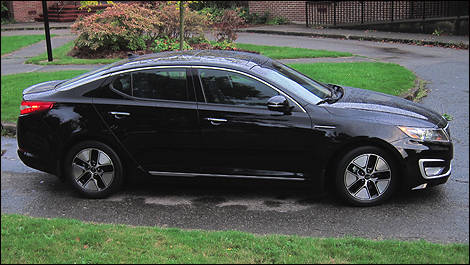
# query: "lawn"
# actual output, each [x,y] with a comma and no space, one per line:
[39,240]
[13,43]
[13,86]
[387,78]
[280,52]
[275,52]
[60,57]
[382,77]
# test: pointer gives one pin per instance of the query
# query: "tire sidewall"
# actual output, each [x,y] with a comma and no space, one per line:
[344,162]
[118,169]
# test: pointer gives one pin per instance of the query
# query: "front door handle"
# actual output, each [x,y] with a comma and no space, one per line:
[215,121]
[119,115]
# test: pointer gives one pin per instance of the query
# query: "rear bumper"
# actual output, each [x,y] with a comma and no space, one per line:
[35,161]
[37,143]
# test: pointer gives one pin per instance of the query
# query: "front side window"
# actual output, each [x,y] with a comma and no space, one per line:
[166,84]
[231,88]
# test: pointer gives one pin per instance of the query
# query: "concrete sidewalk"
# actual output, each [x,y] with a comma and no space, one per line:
[36,26]
[302,30]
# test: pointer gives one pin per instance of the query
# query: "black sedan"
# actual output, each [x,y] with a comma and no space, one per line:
[233,115]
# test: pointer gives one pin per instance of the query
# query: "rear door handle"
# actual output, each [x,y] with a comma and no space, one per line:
[215,121]
[119,115]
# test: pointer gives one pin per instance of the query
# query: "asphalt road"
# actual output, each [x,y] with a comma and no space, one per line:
[438,214]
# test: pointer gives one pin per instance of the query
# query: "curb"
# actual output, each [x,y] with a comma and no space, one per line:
[8,129]
[34,28]
[348,37]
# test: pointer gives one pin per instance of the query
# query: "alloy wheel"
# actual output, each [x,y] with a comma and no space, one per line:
[367,177]
[92,169]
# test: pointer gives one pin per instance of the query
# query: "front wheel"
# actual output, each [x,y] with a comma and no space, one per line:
[93,169]
[366,176]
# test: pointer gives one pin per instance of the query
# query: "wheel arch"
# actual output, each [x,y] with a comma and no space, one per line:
[105,139]
[358,142]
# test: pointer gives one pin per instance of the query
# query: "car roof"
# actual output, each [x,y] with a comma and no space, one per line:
[222,58]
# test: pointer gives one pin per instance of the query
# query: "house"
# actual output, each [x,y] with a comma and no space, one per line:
[360,12]
[58,11]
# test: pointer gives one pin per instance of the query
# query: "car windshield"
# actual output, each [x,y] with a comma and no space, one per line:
[295,82]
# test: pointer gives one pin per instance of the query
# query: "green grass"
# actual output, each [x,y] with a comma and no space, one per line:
[39,240]
[279,52]
[13,86]
[13,43]
[275,52]
[387,78]
[60,57]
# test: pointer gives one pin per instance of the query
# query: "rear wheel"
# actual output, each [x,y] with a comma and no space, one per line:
[366,176]
[93,169]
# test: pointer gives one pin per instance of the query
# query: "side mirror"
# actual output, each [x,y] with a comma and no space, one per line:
[279,103]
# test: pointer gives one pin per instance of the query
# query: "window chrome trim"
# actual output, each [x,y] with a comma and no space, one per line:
[423,172]
[253,77]
[186,66]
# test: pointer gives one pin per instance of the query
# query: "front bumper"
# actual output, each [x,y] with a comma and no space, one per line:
[424,164]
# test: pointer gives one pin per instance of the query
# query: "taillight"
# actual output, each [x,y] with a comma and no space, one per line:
[32,106]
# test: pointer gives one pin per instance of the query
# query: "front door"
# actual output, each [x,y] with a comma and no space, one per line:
[240,136]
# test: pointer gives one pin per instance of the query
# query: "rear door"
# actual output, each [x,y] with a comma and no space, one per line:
[153,114]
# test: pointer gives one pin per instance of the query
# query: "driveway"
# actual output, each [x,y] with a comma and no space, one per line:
[438,214]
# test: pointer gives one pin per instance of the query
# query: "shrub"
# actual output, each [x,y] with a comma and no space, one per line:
[197,40]
[277,21]
[135,26]
[224,45]
[119,27]
[194,23]
[167,44]
[254,18]
[227,25]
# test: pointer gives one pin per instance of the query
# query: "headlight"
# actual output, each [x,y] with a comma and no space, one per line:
[425,134]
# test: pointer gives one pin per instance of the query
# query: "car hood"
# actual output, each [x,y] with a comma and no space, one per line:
[361,99]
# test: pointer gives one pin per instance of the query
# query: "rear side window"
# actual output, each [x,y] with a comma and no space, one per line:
[226,87]
[166,84]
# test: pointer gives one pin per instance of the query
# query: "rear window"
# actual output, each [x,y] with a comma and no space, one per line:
[164,84]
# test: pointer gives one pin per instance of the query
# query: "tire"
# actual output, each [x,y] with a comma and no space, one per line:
[366,176]
[93,169]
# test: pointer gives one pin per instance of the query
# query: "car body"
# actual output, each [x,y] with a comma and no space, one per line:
[229,114]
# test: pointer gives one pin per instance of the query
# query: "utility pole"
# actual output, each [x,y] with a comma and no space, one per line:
[48,33]
[181,25]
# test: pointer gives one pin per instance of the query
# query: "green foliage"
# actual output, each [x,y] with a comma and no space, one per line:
[254,18]
[89,4]
[277,21]
[6,16]
[58,240]
[167,44]
[197,40]
[224,45]
[447,116]
[134,26]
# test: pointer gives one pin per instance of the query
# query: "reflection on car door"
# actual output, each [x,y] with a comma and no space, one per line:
[240,135]
[154,115]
